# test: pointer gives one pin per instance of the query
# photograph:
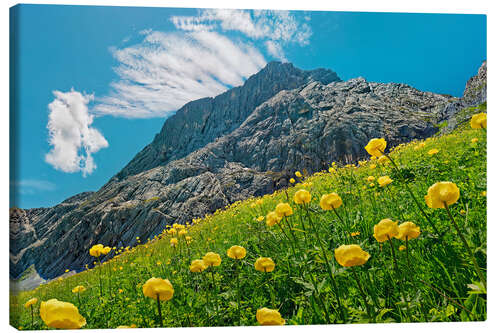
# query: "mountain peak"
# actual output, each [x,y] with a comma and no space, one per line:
[202,121]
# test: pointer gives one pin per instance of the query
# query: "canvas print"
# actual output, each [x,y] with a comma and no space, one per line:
[191,167]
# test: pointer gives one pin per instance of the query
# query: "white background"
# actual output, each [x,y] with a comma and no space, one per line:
[430,6]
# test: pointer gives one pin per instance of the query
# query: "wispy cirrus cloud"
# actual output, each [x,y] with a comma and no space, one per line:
[32,186]
[207,54]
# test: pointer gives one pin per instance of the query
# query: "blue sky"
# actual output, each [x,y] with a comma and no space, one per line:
[95,84]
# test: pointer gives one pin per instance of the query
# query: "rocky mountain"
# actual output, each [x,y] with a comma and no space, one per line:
[245,142]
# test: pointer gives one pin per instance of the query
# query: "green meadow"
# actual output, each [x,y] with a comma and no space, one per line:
[433,277]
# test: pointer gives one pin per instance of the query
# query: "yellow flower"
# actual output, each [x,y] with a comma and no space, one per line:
[78,289]
[272,218]
[267,316]
[182,232]
[474,140]
[302,197]
[330,201]
[259,202]
[351,255]
[408,230]
[383,159]
[57,314]
[106,250]
[189,239]
[212,259]
[172,231]
[385,230]
[292,181]
[125,326]
[376,147]
[31,302]
[283,209]
[264,264]
[354,234]
[384,180]
[96,250]
[442,192]
[370,179]
[483,193]
[236,252]
[331,170]
[298,174]
[260,218]
[372,184]
[197,266]
[478,121]
[156,287]
[433,151]
[402,248]
[174,242]
[372,166]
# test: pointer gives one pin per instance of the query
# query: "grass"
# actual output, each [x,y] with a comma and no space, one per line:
[435,279]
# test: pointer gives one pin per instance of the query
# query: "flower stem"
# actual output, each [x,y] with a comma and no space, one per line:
[466,245]
[363,295]
[328,268]
[159,309]
[393,255]
[412,195]
[32,317]
[238,291]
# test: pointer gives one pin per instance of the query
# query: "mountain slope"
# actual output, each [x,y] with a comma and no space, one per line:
[285,119]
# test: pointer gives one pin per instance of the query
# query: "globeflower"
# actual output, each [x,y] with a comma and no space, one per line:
[330,201]
[157,288]
[212,259]
[298,174]
[441,193]
[182,232]
[236,252]
[96,250]
[385,229]
[283,209]
[106,250]
[57,314]
[376,147]
[267,316]
[292,181]
[78,289]
[383,159]
[31,302]
[478,121]
[265,265]
[272,218]
[408,230]
[433,151]
[370,179]
[384,181]
[351,255]
[174,242]
[197,266]
[260,218]
[302,197]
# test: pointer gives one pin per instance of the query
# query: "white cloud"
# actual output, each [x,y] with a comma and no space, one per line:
[166,70]
[276,25]
[33,186]
[275,50]
[71,136]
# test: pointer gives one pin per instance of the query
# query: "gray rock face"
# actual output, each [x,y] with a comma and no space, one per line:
[245,142]
[200,122]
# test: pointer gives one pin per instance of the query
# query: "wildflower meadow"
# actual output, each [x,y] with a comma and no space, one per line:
[399,237]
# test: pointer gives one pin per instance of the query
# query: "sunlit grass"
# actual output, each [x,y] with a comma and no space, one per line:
[428,278]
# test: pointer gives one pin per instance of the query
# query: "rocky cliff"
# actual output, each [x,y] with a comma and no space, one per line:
[214,151]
